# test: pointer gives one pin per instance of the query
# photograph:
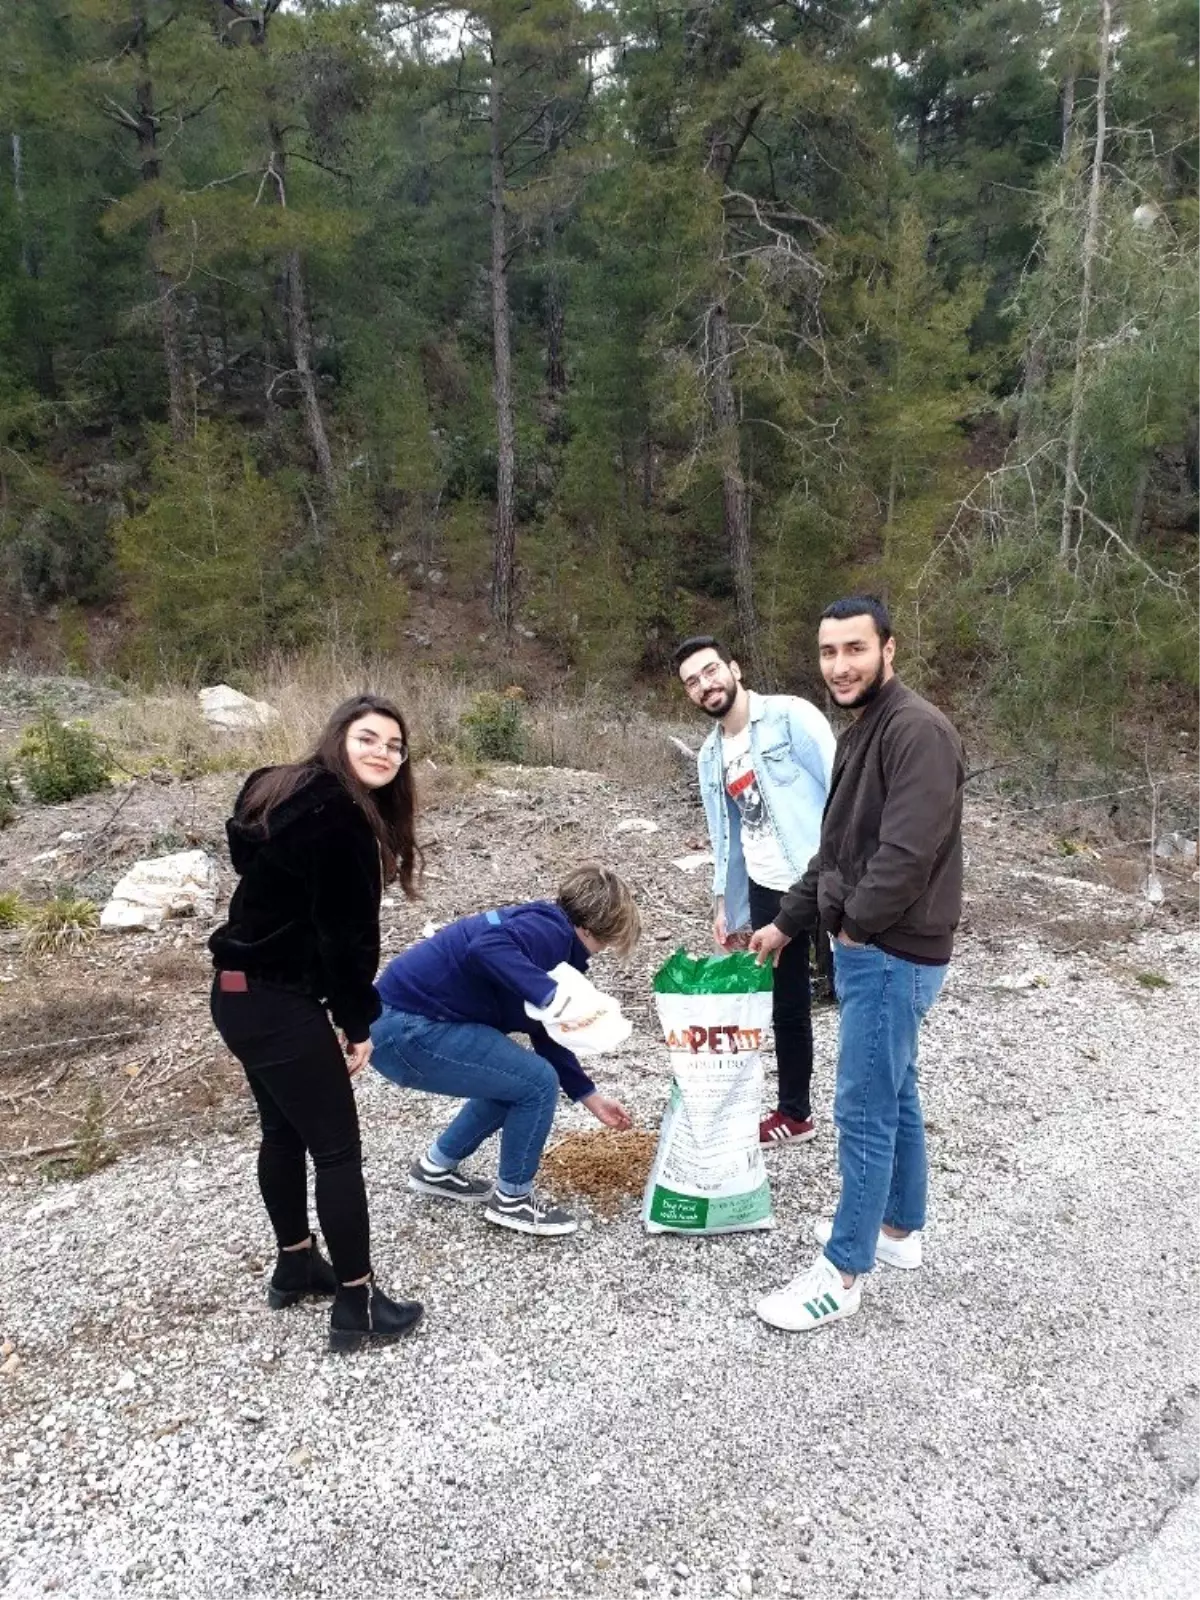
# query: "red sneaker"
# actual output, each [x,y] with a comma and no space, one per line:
[779,1128]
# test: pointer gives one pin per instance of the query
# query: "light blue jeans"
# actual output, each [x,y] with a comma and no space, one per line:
[506,1087]
[877,1107]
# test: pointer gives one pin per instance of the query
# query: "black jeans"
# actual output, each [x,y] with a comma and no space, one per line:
[297,1074]
[791,1011]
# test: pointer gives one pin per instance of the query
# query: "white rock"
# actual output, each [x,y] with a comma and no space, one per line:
[226,708]
[180,885]
[53,1205]
[636,825]
[1175,846]
[694,861]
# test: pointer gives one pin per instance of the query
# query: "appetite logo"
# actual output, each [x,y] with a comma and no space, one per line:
[721,1040]
[580,1022]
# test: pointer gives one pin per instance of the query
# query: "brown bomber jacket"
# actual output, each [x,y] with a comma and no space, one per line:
[888,870]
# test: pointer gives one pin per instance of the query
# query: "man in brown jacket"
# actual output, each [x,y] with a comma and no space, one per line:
[886,887]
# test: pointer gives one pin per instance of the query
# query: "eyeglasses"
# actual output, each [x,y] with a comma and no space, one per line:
[394,749]
[706,675]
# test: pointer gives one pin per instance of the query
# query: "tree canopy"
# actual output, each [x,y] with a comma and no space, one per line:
[636,319]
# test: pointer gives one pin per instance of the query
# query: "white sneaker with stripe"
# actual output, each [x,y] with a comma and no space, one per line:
[811,1300]
[903,1253]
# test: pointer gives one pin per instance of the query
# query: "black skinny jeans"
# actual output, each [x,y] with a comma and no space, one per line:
[297,1074]
[791,1010]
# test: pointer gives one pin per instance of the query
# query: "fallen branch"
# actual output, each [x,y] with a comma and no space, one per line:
[684,754]
[62,1044]
[62,1146]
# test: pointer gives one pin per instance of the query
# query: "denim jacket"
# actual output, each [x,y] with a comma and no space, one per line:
[791,747]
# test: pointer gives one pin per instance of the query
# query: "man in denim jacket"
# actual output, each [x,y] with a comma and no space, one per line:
[764,775]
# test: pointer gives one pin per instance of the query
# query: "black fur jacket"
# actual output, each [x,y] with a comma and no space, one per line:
[306,912]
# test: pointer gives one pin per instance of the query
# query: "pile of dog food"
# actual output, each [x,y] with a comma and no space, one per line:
[604,1166]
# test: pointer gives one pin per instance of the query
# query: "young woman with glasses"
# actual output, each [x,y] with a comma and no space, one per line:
[313,843]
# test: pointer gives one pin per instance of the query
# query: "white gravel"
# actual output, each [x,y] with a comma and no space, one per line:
[605,1416]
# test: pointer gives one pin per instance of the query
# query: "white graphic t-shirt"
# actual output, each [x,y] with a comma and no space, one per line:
[765,861]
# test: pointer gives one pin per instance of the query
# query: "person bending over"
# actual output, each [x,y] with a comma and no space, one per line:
[449,1004]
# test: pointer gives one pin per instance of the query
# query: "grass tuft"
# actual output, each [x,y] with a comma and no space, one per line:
[60,925]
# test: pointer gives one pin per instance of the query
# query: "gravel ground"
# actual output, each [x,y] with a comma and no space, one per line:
[604,1416]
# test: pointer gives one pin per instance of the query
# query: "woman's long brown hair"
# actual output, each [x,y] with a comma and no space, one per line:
[390,810]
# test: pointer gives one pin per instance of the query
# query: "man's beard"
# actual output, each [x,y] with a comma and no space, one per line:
[719,709]
[865,696]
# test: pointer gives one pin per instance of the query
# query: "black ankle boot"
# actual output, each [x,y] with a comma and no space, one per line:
[299,1273]
[365,1315]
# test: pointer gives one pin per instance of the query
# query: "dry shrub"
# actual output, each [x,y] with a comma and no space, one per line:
[188,967]
[69,1020]
[603,1166]
[591,731]
[57,926]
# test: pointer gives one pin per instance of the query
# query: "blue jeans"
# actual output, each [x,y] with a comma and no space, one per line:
[877,1109]
[505,1086]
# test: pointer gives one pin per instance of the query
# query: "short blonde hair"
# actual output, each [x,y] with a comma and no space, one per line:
[600,902]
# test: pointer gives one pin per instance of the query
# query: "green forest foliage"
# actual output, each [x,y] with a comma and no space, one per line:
[816,273]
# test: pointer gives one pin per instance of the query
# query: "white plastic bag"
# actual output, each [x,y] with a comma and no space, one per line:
[708,1174]
[579,1016]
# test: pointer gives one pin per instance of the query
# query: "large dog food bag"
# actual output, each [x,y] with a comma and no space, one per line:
[708,1174]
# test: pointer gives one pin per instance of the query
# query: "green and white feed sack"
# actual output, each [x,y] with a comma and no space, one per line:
[708,1174]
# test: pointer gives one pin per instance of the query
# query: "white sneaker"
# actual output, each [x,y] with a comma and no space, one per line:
[811,1300]
[904,1253]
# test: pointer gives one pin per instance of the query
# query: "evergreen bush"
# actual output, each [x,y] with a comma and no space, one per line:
[60,760]
[8,795]
[494,727]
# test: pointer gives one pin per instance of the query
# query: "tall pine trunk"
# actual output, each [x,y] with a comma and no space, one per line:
[1091,246]
[734,493]
[724,148]
[43,352]
[19,197]
[300,336]
[300,330]
[169,321]
[294,298]
[505,538]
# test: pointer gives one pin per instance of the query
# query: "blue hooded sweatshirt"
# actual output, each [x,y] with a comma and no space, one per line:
[484,968]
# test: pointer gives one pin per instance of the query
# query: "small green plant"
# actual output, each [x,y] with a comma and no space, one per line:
[12,909]
[164,844]
[1153,980]
[494,727]
[60,760]
[8,795]
[92,1150]
[60,925]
